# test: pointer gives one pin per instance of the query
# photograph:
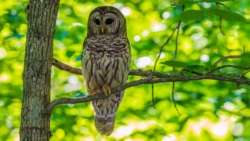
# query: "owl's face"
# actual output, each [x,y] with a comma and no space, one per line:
[106,20]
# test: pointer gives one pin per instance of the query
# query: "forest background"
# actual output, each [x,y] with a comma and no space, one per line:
[210,110]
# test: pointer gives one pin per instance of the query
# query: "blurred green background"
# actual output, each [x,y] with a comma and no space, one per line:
[210,110]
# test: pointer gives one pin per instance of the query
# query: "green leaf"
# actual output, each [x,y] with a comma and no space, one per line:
[246,55]
[192,15]
[183,2]
[245,59]
[196,68]
[214,0]
[186,73]
[245,86]
[70,53]
[227,15]
[174,64]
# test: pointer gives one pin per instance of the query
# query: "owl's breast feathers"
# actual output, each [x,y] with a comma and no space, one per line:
[107,44]
[105,60]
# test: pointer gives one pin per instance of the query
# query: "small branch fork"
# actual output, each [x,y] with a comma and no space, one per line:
[150,77]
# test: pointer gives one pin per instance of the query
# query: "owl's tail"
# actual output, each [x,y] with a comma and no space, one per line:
[105,110]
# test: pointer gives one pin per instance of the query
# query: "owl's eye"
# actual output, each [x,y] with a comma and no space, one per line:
[97,21]
[109,21]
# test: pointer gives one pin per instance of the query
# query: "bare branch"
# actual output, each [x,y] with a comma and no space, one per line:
[66,67]
[225,58]
[148,80]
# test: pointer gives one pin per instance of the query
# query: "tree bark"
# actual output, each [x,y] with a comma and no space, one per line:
[35,124]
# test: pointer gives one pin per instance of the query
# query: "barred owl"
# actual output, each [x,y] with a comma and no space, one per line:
[105,63]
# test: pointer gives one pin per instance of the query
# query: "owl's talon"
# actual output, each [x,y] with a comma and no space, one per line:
[106,90]
[92,92]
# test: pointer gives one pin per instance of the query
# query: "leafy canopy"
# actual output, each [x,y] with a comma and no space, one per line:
[210,110]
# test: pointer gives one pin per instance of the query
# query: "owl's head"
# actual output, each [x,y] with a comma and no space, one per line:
[106,20]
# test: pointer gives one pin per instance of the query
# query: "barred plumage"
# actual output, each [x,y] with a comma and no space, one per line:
[106,62]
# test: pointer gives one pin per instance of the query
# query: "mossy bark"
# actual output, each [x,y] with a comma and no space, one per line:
[41,16]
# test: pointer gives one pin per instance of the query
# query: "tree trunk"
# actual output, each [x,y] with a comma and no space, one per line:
[35,125]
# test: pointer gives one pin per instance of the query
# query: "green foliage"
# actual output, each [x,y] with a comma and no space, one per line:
[227,15]
[210,110]
[191,15]
[174,64]
[245,59]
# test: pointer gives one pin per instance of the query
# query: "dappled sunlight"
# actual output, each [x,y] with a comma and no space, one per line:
[126,11]
[137,38]
[219,129]
[170,137]
[158,27]
[145,33]
[210,110]
[131,126]
[143,62]
[3,53]
[166,15]
[204,58]
[4,77]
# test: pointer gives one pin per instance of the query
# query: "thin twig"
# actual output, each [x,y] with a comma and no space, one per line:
[225,58]
[66,67]
[161,49]
[227,66]
[175,54]
[186,70]
[156,61]
[242,75]
[174,99]
[219,3]
[176,41]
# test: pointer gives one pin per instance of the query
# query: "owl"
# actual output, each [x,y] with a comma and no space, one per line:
[105,63]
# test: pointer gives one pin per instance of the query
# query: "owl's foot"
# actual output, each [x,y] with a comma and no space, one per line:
[92,92]
[106,90]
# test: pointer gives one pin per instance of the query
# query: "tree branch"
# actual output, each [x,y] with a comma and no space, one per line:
[66,67]
[151,77]
[148,80]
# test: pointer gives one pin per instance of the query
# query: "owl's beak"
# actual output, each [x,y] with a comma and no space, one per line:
[102,30]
